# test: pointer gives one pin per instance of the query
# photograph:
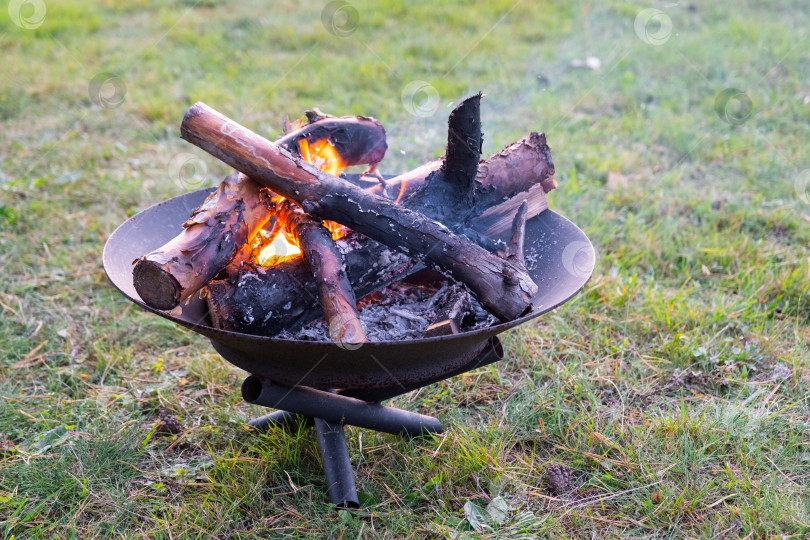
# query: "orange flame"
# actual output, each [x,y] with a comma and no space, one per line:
[323,155]
[401,191]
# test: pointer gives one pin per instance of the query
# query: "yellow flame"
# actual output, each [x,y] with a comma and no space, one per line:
[323,155]
[279,249]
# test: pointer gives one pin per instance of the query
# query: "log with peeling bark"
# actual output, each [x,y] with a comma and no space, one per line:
[503,287]
[327,265]
[219,233]
[211,237]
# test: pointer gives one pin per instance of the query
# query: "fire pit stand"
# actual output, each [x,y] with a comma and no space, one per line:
[330,411]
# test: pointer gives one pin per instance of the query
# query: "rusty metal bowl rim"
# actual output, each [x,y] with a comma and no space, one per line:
[212,332]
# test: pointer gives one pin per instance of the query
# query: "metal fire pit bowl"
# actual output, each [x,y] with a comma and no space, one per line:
[292,376]
[559,257]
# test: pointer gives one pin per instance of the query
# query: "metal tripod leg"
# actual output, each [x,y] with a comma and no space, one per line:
[336,464]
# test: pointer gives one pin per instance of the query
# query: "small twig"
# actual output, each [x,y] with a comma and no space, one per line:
[598,498]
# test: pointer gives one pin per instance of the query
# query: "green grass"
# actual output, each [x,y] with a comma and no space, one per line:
[675,385]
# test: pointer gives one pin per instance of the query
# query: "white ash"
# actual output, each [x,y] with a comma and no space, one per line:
[398,311]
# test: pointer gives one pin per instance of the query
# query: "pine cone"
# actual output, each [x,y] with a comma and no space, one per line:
[169,423]
[558,478]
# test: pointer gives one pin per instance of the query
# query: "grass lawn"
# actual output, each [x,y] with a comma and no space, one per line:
[675,386]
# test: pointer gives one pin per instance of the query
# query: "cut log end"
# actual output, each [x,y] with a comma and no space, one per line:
[347,330]
[156,287]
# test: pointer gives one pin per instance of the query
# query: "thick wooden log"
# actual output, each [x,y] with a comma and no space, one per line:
[328,269]
[502,286]
[211,237]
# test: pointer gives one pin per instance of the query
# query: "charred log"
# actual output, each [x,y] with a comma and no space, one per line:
[359,140]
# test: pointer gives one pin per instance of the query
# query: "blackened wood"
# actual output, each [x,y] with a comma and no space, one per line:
[211,237]
[328,268]
[452,308]
[447,194]
[464,140]
[266,300]
[503,287]
[359,140]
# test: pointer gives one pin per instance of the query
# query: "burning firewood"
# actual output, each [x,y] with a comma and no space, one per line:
[224,227]
[503,286]
[264,300]
[328,269]
[355,140]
